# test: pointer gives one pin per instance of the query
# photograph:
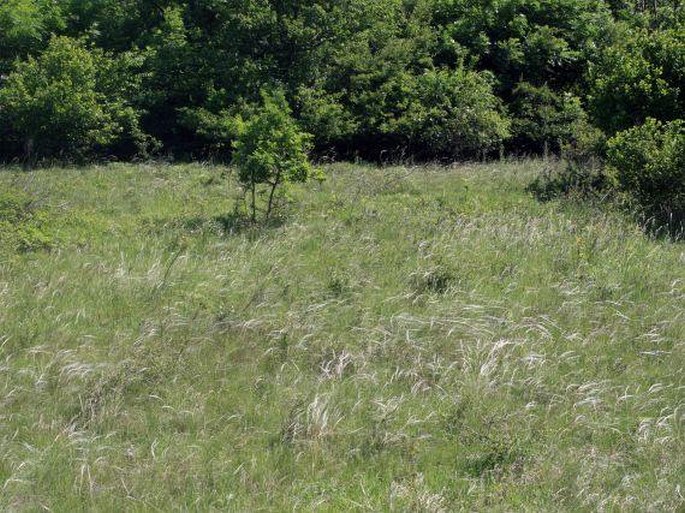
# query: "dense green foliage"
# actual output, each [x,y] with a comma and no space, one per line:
[642,75]
[545,119]
[23,221]
[649,164]
[68,102]
[270,151]
[381,79]
[25,27]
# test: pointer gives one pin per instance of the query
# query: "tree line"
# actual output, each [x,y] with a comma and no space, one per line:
[430,79]
[372,79]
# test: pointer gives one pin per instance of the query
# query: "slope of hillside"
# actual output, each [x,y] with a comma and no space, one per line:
[405,339]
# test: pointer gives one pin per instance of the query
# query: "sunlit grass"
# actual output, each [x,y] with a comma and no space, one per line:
[407,339]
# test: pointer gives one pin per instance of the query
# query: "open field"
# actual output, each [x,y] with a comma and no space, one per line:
[421,339]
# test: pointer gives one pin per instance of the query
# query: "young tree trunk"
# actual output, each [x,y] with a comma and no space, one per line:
[271,195]
[254,202]
[253,187]
[29,159]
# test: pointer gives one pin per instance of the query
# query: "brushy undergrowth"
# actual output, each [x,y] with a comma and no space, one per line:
[407,339]
[23,221]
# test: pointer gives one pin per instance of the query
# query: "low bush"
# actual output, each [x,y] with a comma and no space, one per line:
[450,114]
[270,152]
[67,104]
[580,180]
[544,120]
[23,224]
[648,165]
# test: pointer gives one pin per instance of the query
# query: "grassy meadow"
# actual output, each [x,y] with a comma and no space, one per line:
[404,339]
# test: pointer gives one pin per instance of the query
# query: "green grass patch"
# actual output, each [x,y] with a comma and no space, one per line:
[402,339]
[23,221]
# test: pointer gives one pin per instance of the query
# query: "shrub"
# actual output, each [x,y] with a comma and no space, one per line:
[64,103]
[638,77]
[215,131]
[271,152]
[452,114]
[584,180]
[321,113]
[545,120]
[648,163]
[23,225]
[216,123]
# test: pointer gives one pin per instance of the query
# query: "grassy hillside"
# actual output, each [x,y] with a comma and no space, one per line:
[421,339]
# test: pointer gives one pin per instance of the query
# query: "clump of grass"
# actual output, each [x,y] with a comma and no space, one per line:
[438,279]
[24,223]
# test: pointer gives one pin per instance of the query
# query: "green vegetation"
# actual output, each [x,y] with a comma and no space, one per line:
[394,336]
[58,104]
[406,339]
[270,151]
[639,77]
[382,80]
[649,164]
[22,221]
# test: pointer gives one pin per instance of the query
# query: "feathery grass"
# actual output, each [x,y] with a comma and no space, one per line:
[405,339]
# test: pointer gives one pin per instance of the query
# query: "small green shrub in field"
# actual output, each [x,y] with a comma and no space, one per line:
[271,152]
[648,163]
[22,223]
